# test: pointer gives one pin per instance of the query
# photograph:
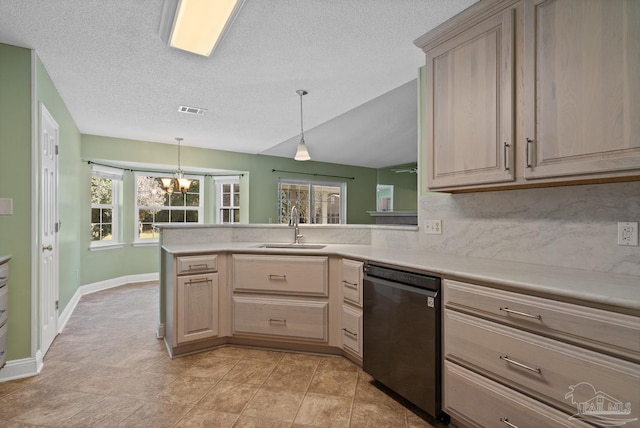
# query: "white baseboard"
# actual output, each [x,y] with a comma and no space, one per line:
[25,367]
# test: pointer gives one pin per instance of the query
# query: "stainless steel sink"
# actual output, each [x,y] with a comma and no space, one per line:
[294,246]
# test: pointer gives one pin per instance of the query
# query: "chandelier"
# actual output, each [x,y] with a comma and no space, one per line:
[177,182]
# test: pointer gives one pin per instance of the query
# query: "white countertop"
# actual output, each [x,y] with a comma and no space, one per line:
[599,288]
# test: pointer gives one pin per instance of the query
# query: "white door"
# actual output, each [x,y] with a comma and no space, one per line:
[48,234]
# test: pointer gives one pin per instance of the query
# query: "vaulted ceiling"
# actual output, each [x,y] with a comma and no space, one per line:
[356,59]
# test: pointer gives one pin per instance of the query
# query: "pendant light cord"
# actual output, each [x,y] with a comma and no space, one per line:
[301,126]
[179,140]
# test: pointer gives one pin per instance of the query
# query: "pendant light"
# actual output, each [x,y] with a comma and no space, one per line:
[177,181]
[302,154]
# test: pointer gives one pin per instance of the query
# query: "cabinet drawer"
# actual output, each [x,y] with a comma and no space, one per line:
[352,281]
[604,330]
[197,264]
[4,273]
[480,402]
[539,366]
[303,275]
[4,304]
[3,345]
[285,318]
[352,329]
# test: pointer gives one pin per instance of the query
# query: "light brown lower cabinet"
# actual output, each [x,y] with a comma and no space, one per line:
[477,401]
[515,360]
[197,307]
[299,319]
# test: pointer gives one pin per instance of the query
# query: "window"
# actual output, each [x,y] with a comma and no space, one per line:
[105,207]
[318,203]
[228,200]
[154,205]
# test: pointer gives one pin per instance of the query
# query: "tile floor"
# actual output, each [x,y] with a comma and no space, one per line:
[107,369]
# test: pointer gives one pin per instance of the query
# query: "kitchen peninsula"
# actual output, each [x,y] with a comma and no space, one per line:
[574,316]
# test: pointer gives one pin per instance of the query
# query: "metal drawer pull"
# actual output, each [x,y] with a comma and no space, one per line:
[199,266]
[350,332]
[197,281]
[2,278]
[277,320]
[507,423]
[272,276]
[519,364]
[350,284]
[48,248]
[524,314]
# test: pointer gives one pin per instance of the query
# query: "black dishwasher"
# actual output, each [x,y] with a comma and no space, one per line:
[401,337]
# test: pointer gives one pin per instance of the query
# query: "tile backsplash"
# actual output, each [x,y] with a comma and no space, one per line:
[569,226]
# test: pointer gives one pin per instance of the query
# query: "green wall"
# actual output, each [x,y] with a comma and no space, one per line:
[15,183]
[261,195]
[405,186]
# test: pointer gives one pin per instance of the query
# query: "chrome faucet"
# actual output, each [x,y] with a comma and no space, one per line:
[293,222]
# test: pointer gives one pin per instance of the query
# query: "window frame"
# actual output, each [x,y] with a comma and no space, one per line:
[311,200]
[116,176]
[137,241]
[219,206]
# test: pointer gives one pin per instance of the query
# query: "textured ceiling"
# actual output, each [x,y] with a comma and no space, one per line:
[355,57]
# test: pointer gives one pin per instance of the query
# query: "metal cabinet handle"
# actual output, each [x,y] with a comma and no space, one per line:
[355,335]
[519,364]
[272,276]
[505,421]
[522,314]
[529,143]
[350,284]
[283,321]
[2,278]
[198,280]
[48,248]
[198,266]
[504,153]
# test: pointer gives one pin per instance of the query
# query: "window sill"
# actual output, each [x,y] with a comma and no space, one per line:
[153,243]
[102,247]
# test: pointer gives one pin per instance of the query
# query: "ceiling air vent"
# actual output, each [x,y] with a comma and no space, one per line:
[192,110]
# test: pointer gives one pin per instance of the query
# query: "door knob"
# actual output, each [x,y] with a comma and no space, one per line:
[48,248]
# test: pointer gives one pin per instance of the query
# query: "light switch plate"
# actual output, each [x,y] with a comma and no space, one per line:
[6,206]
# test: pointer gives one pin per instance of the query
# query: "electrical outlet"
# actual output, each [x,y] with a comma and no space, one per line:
[433,227]
[628,233]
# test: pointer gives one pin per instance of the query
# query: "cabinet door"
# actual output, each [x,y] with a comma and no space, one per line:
[469,106]
[582,87]
[197,307]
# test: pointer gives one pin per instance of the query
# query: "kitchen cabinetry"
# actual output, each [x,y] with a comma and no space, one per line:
[352,272]
[192,309]
[531,93]
[280,296]
[532,359]
[581,87]
[469,121]
[4,308]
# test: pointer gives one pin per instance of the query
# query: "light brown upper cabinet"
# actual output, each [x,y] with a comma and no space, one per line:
[469,88]
[531,93]
[582,87]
